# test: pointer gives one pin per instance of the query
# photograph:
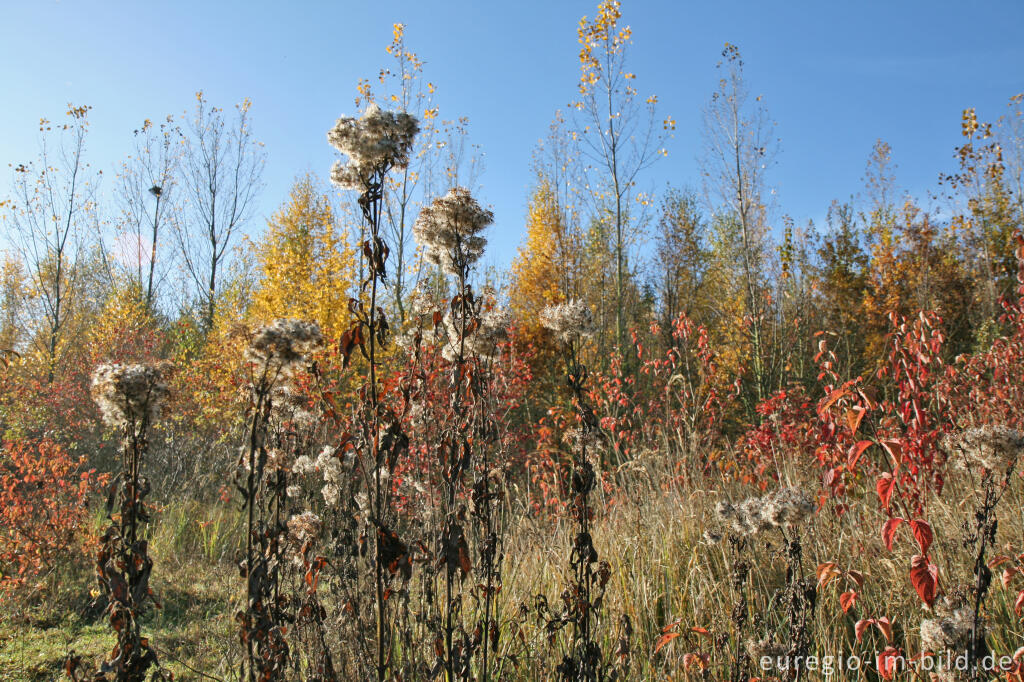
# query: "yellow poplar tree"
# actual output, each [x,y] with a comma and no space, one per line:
[305,264]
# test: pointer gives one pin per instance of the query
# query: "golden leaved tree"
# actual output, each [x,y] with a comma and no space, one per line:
[305,263]
[544,271]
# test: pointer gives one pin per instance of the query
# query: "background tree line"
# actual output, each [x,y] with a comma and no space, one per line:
[165,259]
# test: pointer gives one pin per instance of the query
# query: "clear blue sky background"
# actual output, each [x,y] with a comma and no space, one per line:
[835,76]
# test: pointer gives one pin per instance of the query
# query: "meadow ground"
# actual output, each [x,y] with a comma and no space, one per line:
[665,570]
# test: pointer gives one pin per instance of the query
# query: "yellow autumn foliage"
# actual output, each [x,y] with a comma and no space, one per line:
[540,269]
[305,264]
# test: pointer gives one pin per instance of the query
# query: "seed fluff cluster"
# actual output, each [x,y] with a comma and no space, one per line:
[481,340]
[303,527]
[282,347]
[948,637]
[570,321]
[785,508]
[129,392]
[303,530]
[995,448]
[449,230]
[374,143]
[764,648]
[948,633]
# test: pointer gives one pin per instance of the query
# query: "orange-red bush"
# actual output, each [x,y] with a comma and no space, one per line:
[44,496]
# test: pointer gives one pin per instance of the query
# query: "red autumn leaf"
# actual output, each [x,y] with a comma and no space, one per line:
[827,572]
[847,600]
[856,450]
[1018,605]
[925,577]
[664,639]
[857,577]
[884,626]
[889,531]
[700,660]
[884,486]
[888,663]
[701,631]
[854,416]
[922,533]
[1008,575]
[672,625]
[895,450]
[832,397]
[998,560]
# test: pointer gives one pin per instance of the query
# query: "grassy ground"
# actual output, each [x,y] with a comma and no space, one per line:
[663,571]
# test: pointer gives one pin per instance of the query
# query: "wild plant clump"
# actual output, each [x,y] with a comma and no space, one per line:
[572,322]
[375,144]
[995,450]
[276,353]
[785,510]
[467,339]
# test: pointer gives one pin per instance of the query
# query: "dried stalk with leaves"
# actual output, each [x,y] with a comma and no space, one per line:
[572,322]
[275,354]
[994,451]
[449,230]
[129,398]
[375,144]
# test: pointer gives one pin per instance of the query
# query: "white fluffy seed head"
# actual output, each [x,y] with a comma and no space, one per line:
[482,340]
[280,348]
[129,392]
[992,447]
[949,635]
[449,230]
[784,508]
[570,321]
[377,141]
[304,526]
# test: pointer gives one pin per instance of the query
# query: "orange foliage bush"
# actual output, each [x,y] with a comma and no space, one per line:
[44,495]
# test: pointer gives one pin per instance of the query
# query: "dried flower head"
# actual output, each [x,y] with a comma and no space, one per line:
[582,440]
[302,465]
[995,448]
[569,321]
[449,230]
[785,508]
[482,339]
[303,527]
[129,392]
[374,143]
[758,649]
[420,302]
[712,537]
[332,494]
[948,633]
[282,347]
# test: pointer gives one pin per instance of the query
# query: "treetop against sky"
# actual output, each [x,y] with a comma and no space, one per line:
[835,77]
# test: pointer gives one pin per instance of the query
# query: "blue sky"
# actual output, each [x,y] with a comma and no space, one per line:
[835,76]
